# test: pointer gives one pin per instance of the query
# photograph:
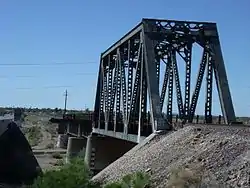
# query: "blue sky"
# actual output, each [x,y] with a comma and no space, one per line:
[77,31]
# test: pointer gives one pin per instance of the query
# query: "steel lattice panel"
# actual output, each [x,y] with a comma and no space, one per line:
[129,72]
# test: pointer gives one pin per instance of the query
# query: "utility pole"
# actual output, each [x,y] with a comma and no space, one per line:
[65,101]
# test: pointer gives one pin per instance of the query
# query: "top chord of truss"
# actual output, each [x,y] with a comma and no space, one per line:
[172,24]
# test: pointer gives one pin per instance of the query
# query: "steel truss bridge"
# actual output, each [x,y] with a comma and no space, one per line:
[129,79]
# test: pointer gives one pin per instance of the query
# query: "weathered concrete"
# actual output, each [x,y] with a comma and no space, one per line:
[62,141]
[75,146]
[103,150]
[88,150]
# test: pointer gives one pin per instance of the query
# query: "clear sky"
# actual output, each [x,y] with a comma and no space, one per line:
[76,32]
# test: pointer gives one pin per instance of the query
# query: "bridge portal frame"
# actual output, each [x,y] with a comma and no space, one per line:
[120,100]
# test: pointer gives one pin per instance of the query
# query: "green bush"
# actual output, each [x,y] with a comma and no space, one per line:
[59,162]
[77,175]
[137,180]
[72,175]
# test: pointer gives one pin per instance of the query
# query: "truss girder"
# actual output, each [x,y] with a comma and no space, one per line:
[165,82]
[177,84]
[197,89]
[130,73]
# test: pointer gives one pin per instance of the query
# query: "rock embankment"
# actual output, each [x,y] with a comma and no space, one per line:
[220,153]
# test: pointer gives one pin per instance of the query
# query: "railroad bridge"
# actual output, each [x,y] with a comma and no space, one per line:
[130,98]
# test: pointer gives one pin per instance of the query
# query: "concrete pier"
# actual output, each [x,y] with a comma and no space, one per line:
[88,150]
[103,150]
[75,146]
[62,141]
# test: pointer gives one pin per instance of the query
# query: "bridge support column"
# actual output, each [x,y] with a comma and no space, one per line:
[62,141]
[75,146]
[103,150]
[89,150]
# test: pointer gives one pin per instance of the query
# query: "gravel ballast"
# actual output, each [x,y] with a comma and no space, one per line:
[221,152]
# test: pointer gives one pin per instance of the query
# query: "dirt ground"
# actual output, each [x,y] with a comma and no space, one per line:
[221,153]
[51,160]
[43,139]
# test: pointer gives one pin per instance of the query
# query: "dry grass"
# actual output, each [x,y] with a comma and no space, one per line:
[33,134]
[185,178]
[190,177]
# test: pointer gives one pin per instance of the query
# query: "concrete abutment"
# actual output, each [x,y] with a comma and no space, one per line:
[75,146]
[103,150]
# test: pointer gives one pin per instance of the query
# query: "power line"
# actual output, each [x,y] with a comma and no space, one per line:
[43,87]
[46,64]
[36,76]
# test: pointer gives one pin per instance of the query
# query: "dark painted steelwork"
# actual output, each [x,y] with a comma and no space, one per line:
[129,75]
[73,125]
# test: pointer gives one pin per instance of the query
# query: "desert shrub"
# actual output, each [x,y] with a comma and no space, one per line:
[77,175]
[185,178]
[50,146]
[59,162]
[74,174]
[33,134]
[57,155]
[137,180]
[50,128]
